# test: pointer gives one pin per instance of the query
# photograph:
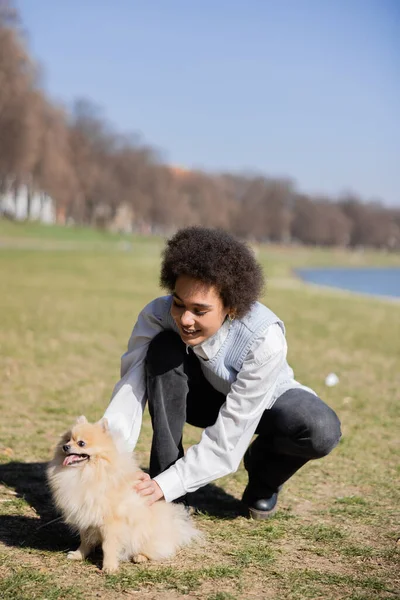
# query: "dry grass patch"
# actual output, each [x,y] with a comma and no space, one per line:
[65,318]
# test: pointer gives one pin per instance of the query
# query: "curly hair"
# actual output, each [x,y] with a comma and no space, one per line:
[217,258]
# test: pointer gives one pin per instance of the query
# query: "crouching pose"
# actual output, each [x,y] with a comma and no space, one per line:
[211,355]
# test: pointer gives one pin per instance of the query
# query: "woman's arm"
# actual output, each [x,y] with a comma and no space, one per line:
[124,413]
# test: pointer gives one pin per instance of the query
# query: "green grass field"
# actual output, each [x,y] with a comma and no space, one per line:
[68,301]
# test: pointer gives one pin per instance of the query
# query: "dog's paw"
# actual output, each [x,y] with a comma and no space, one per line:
[110,569]
[139,558]
[75,555]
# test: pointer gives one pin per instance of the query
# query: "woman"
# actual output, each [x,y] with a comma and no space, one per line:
[210,355]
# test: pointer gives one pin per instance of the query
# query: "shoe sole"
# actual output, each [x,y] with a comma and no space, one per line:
[261,515]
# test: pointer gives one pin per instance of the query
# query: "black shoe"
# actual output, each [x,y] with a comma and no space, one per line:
[261,508]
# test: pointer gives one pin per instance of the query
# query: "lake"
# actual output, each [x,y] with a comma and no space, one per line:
[378,281]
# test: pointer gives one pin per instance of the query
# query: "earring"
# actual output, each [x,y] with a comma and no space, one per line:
[231,317]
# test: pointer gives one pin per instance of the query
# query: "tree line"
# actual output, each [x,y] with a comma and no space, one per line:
[98,176]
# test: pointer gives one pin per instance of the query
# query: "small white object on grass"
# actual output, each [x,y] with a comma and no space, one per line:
[331,380]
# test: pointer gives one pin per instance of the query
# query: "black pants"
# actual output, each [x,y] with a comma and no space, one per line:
[297,428]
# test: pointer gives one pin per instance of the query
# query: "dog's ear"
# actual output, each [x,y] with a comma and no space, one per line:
[104,424]
[81,420]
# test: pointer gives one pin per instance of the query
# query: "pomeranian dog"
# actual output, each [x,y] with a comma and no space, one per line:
[92,478]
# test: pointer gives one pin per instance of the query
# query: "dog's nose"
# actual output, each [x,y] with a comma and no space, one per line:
[66,447]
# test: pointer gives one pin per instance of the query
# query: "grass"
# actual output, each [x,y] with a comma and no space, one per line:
[68,302]
[170,578]
[27,584]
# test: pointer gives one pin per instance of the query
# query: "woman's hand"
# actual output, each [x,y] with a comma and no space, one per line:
[148,487]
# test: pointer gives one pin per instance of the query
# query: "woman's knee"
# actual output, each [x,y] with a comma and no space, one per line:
[306,418]
[166,351]
[325,433]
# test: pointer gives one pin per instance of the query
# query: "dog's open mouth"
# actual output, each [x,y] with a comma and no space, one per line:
[74,459]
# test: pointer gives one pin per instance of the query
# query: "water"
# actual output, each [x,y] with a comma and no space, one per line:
[376,281]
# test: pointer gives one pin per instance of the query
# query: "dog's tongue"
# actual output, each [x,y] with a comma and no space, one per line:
[69,459]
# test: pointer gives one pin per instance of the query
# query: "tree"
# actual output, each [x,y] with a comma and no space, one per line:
[19,100]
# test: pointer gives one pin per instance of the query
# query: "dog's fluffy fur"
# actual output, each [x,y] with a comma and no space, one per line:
[92,479]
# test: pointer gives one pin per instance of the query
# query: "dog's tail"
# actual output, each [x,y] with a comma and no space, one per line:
[185,528]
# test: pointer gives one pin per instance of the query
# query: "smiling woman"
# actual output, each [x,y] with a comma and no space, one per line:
[211,355]
[197,310]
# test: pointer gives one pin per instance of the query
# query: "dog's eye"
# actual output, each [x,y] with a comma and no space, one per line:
[81,443]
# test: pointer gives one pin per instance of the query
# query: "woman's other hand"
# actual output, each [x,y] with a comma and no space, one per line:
[148,488]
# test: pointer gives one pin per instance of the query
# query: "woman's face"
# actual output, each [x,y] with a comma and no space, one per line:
[197,309]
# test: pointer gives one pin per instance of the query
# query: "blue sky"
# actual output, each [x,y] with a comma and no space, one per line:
[303,88]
